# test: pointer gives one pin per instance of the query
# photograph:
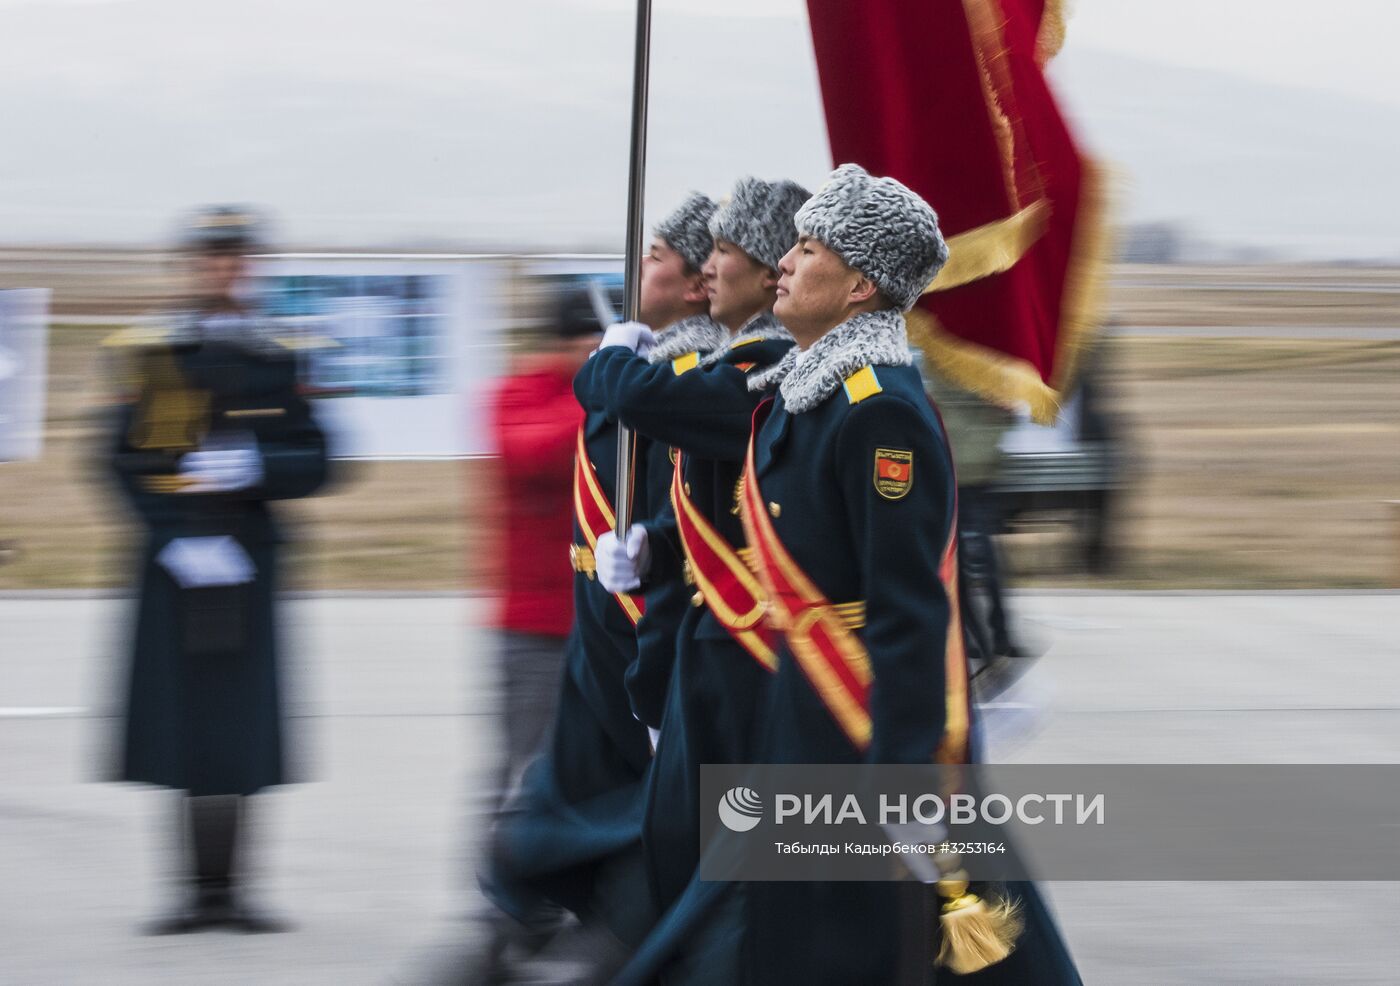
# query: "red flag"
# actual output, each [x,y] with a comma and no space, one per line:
[949,97]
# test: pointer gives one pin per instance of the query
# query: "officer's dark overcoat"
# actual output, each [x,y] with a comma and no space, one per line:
[817,472]
[204,710]
[572,832]
[713,687]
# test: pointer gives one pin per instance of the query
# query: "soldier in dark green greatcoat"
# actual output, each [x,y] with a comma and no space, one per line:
[214,431]
[850,505]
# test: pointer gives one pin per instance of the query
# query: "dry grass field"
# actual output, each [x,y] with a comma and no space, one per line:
[1261,462]
[1256,296]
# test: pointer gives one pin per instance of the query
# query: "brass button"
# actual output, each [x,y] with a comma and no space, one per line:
[774,508]
[687,489]
[582,561]
[698,599]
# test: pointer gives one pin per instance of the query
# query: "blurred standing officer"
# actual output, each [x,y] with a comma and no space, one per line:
[850,507]
[216,431]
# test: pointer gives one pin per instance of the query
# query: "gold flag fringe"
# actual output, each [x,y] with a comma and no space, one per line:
[1009,380]
[1051,36]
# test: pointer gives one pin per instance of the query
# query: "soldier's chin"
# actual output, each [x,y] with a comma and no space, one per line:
[782,306]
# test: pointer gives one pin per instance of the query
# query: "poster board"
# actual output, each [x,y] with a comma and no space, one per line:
[392,347]
[24,332]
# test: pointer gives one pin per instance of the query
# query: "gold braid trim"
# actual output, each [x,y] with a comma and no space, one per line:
[851,614]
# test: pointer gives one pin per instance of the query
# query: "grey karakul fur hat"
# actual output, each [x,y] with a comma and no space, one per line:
[880,228]
[687,230]
[758,217]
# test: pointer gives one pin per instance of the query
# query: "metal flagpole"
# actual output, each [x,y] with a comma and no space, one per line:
[632,280]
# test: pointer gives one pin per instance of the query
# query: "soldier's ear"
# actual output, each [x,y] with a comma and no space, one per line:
[863,290]
[694,289]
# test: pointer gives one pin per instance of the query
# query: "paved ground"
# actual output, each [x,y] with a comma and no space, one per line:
[393,702]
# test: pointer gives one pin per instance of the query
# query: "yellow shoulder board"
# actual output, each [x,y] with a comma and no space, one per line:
[687,362]
[747,340]
[862,384]
[138,335]
[306,342]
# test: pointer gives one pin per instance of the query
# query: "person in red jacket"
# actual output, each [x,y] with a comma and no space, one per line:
[534,421]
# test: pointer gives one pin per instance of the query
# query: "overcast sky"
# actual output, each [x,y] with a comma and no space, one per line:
[498,122]
[1344,46]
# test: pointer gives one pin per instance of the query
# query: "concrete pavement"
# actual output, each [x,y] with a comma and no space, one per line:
[393,700]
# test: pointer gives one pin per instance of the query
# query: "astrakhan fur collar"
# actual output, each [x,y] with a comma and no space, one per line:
[698,333]
[808,377]
[764,325]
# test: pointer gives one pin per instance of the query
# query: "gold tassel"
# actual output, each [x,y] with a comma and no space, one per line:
[974,934]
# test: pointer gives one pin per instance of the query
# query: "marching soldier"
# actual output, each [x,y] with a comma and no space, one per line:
[849,503]
[216,434]
[674,295]
[572,835]
[723,655]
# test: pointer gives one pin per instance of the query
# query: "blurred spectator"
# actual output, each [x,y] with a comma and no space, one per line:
[217,430]
[535,420]
[975,428]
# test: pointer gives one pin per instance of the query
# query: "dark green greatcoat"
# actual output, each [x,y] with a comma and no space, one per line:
[203,711]
[817,470]
[571,832]
[712,687]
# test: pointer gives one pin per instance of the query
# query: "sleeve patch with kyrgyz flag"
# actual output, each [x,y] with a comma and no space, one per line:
[894,472]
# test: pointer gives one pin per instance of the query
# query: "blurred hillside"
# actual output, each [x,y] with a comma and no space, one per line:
[107,285]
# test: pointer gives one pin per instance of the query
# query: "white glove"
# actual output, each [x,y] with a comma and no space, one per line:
[621,566]
[631,335]
[200,562]
[223,468]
